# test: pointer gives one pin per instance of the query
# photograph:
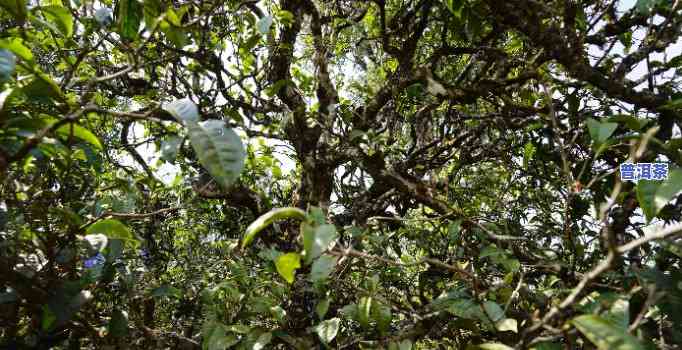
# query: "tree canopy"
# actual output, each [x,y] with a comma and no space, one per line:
[308,174]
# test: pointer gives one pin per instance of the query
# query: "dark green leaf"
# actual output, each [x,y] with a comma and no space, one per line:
[118,325]
[604,334]
[129,16]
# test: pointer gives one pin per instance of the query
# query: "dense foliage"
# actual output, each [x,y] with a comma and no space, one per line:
[385,174]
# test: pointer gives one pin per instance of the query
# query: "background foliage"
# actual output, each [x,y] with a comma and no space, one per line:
[396,174]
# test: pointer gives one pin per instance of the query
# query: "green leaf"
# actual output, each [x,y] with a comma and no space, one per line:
[493,310]
[16,45]
[7,64]
[262,341]
[217,337]
[600,132]
[264,24]
[619,314]
[166,291]
[632,122]
[129,16]
[455,7]
[219,149]
[382,315]
[268,218]
[454,228]
[645,6]
[316,241]
[364,309]
[43,89]
[175,34]
[322,307]
[507,324]
[184,110]
[468,309]
[151,10]
[350,311]
[61,17]
[80,133]
[668,189]
[604,334]
[494,346]
[547,346]
[113,229]
[118,325]
[287,264]
[170,147]
[322,268]
[15,7]
[328,329]
[646,196]
[48,318]
[406,344]
[654,195]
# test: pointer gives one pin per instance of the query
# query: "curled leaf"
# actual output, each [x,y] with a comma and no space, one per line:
[268,218]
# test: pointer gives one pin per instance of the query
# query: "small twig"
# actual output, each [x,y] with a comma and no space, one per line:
[651,299]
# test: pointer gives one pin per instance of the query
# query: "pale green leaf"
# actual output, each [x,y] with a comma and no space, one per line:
[322,307]
[507,324]
[406,344]
[668,189]
[493,310]
[262,341]
[287,264]
[264,24]
[219,149]
[646,196]
[322,268]
[600,132]
[328,329]
[364,309]
[184,110]
[170,147]
[316,241]
[113,229]
[604,334]
[268,218]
